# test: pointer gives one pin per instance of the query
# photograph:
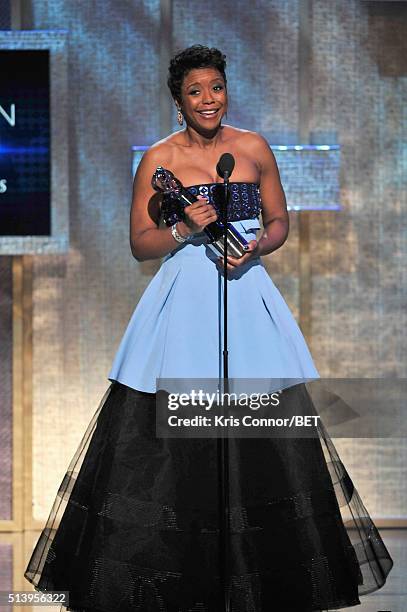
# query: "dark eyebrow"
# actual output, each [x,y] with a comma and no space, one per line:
[217,79]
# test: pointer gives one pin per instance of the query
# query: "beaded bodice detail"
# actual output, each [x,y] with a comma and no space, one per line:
[244,201]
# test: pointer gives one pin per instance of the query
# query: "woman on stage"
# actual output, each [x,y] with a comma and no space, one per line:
[135,524]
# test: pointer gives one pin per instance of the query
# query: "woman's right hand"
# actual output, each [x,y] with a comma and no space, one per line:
[199,214]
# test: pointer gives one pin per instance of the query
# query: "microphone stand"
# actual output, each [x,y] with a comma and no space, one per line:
[223,442]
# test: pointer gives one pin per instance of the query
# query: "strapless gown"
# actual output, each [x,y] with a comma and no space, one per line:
[135,524]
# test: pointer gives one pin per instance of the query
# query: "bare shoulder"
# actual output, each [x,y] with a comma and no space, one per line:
[257,143]
[241,135]
[160,152]
[253,143]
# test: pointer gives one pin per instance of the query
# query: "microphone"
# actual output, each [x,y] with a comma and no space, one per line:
[225,165]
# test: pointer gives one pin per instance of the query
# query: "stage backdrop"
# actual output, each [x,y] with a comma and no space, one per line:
[357,84]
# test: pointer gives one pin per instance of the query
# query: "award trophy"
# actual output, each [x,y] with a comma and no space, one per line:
[165,182]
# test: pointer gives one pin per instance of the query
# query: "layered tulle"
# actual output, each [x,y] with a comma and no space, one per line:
[136,522]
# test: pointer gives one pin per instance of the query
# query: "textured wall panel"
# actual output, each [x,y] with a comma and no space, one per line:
[6,373]
[360,291]
[6,570]
[5,14]
[359,254]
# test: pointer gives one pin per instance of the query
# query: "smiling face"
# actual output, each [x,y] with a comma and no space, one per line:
[204,98]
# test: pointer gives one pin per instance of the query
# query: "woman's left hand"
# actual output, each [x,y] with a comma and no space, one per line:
[235,262]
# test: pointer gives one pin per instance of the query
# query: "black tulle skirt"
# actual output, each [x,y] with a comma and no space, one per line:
[135,525]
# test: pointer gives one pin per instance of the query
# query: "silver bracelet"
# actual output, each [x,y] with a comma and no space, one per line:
[176,235]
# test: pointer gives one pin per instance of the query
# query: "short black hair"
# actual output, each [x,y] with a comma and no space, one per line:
[196,56]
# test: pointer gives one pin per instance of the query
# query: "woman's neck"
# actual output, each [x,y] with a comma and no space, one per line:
[203,140]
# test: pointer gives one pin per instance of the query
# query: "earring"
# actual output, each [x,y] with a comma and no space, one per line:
[180,117]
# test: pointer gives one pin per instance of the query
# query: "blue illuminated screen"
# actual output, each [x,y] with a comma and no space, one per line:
[25,198]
